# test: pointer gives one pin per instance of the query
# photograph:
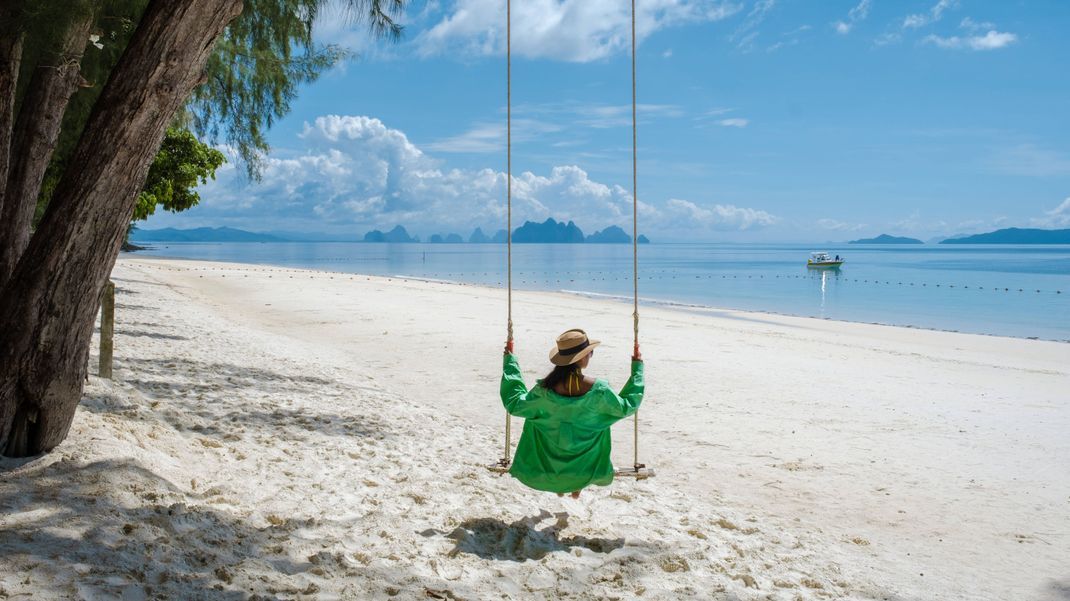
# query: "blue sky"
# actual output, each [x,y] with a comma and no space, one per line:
[760,120]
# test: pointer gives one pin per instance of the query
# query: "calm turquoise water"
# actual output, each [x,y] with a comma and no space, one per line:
[1004,290]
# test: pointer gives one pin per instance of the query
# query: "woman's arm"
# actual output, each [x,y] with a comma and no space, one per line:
[632,393]
[513,390]
[619,406]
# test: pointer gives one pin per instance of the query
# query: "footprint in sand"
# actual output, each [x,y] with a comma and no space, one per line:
[798,466]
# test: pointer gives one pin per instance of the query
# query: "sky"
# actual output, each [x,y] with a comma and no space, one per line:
[759,121]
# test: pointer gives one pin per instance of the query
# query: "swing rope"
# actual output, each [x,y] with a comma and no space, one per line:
[506,457]
[509,203]
[635,238]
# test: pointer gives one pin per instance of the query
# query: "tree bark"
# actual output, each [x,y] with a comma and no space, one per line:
[34,139]
[10,61]
[47,309]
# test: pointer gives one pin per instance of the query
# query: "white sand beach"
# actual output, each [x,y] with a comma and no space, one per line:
[292,434]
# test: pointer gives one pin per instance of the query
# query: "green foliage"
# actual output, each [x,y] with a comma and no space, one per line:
[259,64]
[182,163]
[261,61]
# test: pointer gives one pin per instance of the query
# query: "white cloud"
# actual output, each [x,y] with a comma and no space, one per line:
[570,30]
[789,38]
[534,121]
[839,226]
[935,13]
[718,117]
[719,217]
[859,12]
[745,35]
[351,174]
[887,38]
[993,40]
[667,53]
[970,25]
[598,116]
[483,137]
[491,137]
[1057,218]
[856,14]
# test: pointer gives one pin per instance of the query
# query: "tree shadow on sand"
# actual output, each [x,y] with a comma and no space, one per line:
[222,400]
[491,538]
[114,528]
[118,280]
[1059,590]
[146,334]
[119,305]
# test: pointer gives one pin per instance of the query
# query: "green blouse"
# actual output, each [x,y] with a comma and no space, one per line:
[566,443]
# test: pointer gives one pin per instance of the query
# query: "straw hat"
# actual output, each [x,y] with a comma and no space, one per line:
[572,346]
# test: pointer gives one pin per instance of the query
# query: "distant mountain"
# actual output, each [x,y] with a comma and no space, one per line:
[447,239]
[886,239]
[549,231]
[642,239]
[610,235]
[201,234]
[1015,235]
[398,234]
[614,235]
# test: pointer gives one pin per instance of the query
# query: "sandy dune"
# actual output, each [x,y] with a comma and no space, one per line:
[278,433]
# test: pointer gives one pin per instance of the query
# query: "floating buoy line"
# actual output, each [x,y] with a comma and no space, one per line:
[533,278]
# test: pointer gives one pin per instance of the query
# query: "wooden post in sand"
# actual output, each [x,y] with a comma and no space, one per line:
[107,330]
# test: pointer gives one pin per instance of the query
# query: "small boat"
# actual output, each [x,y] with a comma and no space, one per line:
[820,260]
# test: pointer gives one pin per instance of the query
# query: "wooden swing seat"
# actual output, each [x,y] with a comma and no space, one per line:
[640,472]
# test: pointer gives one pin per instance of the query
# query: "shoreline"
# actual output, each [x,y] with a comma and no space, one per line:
[291,431]
[647,301]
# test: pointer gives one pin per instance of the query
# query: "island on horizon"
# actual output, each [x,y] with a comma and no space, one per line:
[1014,235]
[886,239]
[550,231]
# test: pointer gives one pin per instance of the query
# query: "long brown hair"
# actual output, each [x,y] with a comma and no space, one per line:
[558,375]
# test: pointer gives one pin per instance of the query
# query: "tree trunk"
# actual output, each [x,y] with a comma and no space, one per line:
[10,60]
[35,135]
[47,309]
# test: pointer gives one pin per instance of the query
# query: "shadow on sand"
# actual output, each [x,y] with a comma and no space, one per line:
[1059,590]
[145,334]
[222,400]
[115,529]
[491,538]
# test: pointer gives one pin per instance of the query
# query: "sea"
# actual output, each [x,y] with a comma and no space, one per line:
[1002,290]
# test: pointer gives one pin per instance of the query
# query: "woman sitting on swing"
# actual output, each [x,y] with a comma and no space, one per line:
[566,443]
